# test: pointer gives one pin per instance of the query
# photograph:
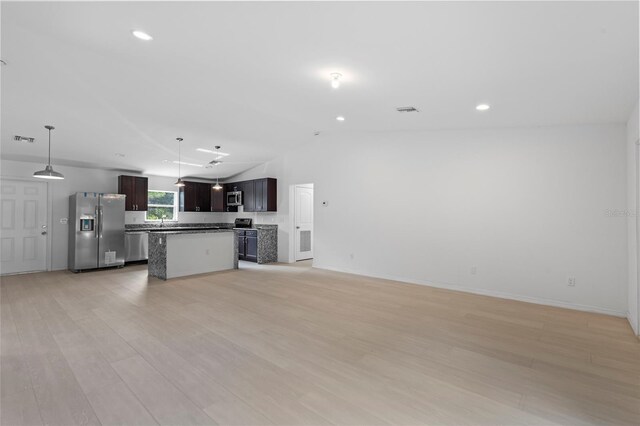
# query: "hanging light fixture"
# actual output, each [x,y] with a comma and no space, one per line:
[179,182]
[217,186]
[48,172]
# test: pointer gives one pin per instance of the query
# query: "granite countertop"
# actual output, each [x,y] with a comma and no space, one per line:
[175,227]
[258,227]
[196,227]
[188,231]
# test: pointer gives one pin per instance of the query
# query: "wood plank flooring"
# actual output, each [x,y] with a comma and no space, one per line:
[293,345]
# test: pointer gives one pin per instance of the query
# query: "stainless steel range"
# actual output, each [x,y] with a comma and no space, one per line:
[242,223]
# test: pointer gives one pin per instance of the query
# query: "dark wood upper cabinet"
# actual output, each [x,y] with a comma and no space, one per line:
[217,200]
[248,196]
[136,189]
[258,195]
[195,197]
[204,197]
[265,195]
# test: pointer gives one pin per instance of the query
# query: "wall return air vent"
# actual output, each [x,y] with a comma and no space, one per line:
[407,109]
[26,139]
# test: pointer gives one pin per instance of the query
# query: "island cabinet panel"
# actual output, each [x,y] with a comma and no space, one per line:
[217,200]
[136,189]
[195,197]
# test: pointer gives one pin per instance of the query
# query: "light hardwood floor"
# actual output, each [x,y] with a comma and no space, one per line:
[283,344]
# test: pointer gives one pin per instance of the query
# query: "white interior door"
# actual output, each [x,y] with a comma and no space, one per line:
[304,222]
[23,226]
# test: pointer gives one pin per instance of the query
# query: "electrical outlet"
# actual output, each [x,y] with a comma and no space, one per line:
[473,270]
[206,252]
[571,281]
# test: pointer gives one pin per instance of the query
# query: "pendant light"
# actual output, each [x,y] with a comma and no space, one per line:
[179,182]
[217,186]
[48,172]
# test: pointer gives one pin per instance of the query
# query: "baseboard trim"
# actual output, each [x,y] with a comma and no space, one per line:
[484,292]
[631,323]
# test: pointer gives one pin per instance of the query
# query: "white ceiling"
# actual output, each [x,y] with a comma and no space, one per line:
[254,77]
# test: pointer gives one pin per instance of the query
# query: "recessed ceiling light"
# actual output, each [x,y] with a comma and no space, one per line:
[340,118]
[119,154]
[483,107]
[335,79]
[141,35]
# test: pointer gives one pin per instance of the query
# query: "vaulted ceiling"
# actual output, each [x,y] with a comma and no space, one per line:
[253,77]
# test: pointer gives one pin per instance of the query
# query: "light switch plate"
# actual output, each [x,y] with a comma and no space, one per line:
[64,221]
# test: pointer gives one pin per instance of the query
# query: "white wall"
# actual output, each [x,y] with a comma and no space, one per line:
[91,180]
[633,186]
[527,207]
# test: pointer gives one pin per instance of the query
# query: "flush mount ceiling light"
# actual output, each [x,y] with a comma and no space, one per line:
[48,172]
[340,118]
[483,107]
[184,163]
[179,182]
[335,79]
[407,109]
[217,186]
[141,35]
[219,155]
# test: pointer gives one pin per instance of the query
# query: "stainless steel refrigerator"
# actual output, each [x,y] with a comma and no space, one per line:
[96,230]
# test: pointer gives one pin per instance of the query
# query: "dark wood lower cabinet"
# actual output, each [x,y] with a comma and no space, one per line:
[248,245]
[242,245]
[251,247]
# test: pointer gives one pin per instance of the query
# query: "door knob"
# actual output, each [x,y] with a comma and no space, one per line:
[297,227]
[44,232]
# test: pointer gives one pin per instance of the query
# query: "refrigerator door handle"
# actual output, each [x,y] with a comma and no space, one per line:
[95,227]
[100,217]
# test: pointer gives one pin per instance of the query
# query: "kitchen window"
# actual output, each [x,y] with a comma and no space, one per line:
[162,205]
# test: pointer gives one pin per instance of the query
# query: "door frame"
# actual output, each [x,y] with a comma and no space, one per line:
[292,221]
[48,214]
[637,220]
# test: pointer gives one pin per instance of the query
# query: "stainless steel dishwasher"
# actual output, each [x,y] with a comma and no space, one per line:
[136,246]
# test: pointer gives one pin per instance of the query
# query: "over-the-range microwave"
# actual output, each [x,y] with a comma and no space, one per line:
[234,198]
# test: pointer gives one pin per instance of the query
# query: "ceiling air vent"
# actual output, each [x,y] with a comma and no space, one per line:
[407,109]
[19,138]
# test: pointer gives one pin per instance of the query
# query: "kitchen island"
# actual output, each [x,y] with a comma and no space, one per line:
[178,253]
